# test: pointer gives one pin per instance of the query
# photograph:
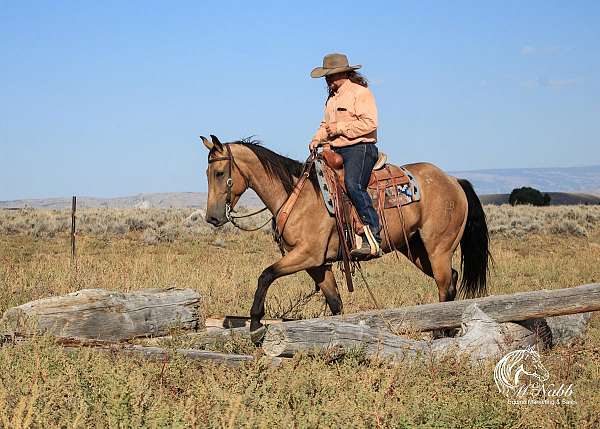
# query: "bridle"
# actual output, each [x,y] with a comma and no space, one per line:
[229,212]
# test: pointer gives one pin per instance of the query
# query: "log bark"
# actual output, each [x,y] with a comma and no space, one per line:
[97,314]
[161,354]
[481,338]
[500,308]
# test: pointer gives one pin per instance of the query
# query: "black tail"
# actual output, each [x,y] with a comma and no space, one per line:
[474,246]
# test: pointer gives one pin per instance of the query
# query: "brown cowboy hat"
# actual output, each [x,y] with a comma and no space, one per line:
[333,63]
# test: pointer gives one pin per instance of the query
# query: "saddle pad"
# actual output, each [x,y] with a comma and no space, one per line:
[399,188]
[325,191]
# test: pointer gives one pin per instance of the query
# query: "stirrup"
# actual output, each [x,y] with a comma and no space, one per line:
[369,248]
[373,244]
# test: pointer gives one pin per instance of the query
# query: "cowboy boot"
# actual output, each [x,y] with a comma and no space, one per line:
[369,248]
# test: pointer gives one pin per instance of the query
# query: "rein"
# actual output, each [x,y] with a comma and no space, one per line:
[282,213]
[231,218]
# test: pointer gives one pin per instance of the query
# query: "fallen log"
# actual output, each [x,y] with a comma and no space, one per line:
[500,308]
[161,354]
[231,322]
[217,330]
[205,338]
[481,338]
[97,314]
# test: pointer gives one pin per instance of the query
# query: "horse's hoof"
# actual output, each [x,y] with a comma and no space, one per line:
[257,335]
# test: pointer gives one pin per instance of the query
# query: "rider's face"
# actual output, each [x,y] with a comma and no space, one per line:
[334,81]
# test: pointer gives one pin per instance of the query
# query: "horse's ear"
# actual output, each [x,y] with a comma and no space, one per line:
[216,142]
[209,145]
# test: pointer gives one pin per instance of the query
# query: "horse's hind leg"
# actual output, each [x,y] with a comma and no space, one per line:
[443,275]
[325,280]
[437,267]
[453,285]
[445,278]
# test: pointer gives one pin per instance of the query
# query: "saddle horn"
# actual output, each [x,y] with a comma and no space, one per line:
[332,159]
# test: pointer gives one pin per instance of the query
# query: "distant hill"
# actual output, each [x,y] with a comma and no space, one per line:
[157,200]
[568,185]
[557,198]
[559,179]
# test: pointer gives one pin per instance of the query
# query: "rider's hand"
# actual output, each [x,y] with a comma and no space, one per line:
[314,145]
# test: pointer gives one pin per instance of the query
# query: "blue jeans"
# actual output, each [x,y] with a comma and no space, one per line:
[359,160]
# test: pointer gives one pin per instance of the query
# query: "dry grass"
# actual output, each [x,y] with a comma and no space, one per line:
[43,386]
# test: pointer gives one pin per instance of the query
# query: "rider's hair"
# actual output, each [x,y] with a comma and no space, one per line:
[354,77]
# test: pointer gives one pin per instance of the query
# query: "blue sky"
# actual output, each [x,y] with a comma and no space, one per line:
[108,98]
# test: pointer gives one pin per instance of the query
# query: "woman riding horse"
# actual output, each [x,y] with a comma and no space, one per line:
[448,214]
[349,126]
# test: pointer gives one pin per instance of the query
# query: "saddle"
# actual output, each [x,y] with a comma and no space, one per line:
[385,185]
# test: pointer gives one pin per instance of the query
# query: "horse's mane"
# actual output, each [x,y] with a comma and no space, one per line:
[286,170]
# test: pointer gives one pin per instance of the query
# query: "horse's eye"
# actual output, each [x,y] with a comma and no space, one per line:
[219,174]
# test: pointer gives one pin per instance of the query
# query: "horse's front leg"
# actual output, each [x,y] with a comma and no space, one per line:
[296,260]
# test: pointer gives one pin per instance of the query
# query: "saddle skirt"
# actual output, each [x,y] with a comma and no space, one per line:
[394,186]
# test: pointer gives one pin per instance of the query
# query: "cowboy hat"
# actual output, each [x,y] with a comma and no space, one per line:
[333,63]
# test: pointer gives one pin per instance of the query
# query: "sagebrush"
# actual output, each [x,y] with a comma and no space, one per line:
[42,385]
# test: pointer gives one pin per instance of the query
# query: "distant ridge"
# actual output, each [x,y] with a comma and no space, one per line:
[559,179]
[566,185]
[144,201]
[556,198]
[198,200]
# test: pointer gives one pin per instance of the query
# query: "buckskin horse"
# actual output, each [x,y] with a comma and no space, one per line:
[448,214]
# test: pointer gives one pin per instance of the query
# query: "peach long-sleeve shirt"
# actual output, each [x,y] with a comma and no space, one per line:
[353,111]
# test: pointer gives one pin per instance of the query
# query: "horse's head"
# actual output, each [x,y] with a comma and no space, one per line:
[532,365]
[225,181]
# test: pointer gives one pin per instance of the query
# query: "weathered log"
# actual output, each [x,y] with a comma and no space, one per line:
[205,338]
[481,338]
[500,308]
[231,322]
[160,354]
[98,314]
[218,329]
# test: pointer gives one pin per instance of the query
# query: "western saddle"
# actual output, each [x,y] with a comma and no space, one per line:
[383,176]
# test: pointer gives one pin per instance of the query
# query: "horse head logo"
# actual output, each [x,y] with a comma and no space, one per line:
[518,368]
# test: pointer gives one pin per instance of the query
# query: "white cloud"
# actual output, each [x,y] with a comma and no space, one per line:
[543,82]
[527,50]
[541,50]
[561,83]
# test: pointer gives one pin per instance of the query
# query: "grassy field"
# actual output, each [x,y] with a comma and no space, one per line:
[41,385]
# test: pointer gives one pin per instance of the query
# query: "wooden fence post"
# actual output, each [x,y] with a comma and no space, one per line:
[73,211]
